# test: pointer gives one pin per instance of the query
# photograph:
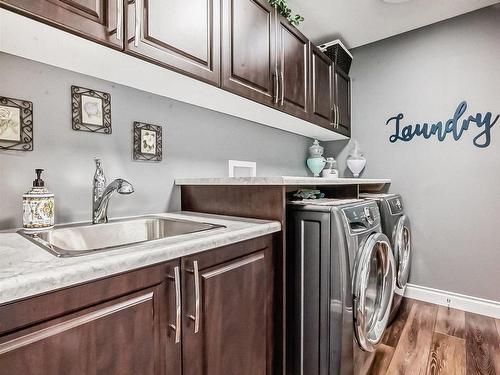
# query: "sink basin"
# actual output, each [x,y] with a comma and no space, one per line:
[77,239]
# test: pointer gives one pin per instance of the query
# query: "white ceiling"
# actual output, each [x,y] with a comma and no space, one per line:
[359,22]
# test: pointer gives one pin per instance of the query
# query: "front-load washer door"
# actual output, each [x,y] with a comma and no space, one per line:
[373,288]
[402,250]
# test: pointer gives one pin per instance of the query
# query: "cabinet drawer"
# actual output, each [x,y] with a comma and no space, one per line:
[117,337]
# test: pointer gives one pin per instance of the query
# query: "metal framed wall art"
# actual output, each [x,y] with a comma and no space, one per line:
[147,142]
[91,110]
[16,124]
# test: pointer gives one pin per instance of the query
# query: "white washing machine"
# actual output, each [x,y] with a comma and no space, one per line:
[396,226]
[340,284]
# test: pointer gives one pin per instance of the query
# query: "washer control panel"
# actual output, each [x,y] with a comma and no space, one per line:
[362,217]
[395,205]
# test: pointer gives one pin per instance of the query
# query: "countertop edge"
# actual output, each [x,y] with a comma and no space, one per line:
[279,181]
[22,286]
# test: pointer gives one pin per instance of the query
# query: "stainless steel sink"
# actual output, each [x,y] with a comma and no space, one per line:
[75,240]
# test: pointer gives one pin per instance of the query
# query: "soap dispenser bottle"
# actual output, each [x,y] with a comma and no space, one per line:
[38,206]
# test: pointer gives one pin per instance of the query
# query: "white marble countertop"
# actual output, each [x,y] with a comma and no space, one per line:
[281,180]
[27,270]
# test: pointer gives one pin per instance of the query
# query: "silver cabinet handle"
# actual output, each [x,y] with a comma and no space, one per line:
[177,326]
[332,114]
[119,19]
[338,115]
[137,23]
[196,317]
[282,78]
[276,88]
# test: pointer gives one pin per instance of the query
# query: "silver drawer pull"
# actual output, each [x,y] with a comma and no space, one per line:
[177,326]
[196,317]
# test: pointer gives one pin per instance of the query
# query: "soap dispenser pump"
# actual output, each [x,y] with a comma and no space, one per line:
[38,206]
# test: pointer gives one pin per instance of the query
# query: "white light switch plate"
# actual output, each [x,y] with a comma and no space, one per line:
[239,168]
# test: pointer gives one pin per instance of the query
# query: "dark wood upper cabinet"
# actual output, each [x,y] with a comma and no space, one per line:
[249,49]
[322,88]
[97,20]
[181,35]
[293,69]
[343,102]
[243,46]
[228,306]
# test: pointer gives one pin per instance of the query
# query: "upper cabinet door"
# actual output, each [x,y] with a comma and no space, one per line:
[181,35]
[293,66]
[343,102]
[322,83]
[93,19]
[249,49]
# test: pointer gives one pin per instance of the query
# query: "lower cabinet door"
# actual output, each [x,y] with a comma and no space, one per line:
[121,336]
[229,315]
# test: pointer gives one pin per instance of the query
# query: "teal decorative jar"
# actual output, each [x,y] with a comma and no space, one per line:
[316,162]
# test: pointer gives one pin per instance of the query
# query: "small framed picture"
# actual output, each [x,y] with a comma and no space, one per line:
[91,110]
[16,124]
[147,142]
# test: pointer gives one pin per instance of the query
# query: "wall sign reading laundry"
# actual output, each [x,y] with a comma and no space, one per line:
[456,126]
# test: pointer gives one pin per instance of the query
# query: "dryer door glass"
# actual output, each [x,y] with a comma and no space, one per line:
[373,289]
[402,250]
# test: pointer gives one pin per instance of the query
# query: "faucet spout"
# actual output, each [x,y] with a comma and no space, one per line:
[103,194]
[101,205]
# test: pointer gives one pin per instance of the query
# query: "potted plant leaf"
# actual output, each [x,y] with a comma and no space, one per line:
[282,7]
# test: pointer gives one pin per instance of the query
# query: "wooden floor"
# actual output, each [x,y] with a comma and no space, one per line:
[427,339]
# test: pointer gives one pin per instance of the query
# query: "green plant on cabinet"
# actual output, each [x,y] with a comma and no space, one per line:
[286,11]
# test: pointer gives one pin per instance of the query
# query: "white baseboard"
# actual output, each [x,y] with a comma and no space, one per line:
[457,301]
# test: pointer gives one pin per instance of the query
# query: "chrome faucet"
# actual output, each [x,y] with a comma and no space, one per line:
[102,193]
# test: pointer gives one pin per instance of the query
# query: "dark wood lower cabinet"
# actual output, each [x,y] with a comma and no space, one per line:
[116,337]
[135,323]
[232,331]
[228,305]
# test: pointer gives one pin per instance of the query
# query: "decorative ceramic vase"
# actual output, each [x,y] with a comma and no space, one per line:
[356,161]
[316,162]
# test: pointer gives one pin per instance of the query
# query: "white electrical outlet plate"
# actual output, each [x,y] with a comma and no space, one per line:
[239,168]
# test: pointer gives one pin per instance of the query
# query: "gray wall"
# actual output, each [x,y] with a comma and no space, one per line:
[197,143]
[451,189]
